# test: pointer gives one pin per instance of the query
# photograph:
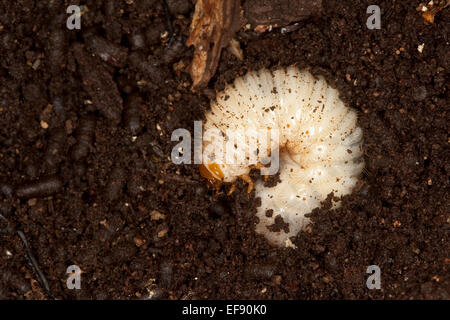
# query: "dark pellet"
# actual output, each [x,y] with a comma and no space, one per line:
[166,272]
[6,189]
[175,50]
[179,6]
[44,187]
[115,184]
[420,93]
[55,145]
[85,137]
[217,209]
[280,12]
[125,85]
[31,170]
[99,84]
[157,149]
[5,227]
[57,50]
[260,272]
[200,191]
[79,169]
[110,8]
[137,40]
[133,113]
[34,94]
[105,50]
[58,108]
[153,34]
[151,68]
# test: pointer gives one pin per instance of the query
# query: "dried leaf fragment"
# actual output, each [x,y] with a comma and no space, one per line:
[213,26]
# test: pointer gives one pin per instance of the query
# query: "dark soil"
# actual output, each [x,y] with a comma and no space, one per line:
[84,193]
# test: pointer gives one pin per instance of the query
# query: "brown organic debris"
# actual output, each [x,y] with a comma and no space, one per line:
[162,233]
[156,215]
[430,9]
[213,26]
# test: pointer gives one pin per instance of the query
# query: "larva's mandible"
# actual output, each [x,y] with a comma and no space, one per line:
[319,141]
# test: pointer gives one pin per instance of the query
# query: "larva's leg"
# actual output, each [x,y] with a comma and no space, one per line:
[232,189]
[260,166]
[216,184]
[249,180]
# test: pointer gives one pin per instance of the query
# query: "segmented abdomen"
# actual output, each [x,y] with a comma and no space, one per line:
[319,141]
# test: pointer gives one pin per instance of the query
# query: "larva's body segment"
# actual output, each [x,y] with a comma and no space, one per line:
[319,141]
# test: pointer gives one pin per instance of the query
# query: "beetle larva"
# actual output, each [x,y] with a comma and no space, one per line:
[319,141]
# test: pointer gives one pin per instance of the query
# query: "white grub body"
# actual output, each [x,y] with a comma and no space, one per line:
[319,142]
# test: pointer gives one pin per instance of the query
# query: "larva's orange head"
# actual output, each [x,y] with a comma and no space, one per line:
[211,171]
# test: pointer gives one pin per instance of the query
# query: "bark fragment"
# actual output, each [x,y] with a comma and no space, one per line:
[213,26]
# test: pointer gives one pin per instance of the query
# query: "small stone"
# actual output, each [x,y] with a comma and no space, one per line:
[420,47]
[162,232]
[156,215]
[44,125]
[164,35]
[138,241]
